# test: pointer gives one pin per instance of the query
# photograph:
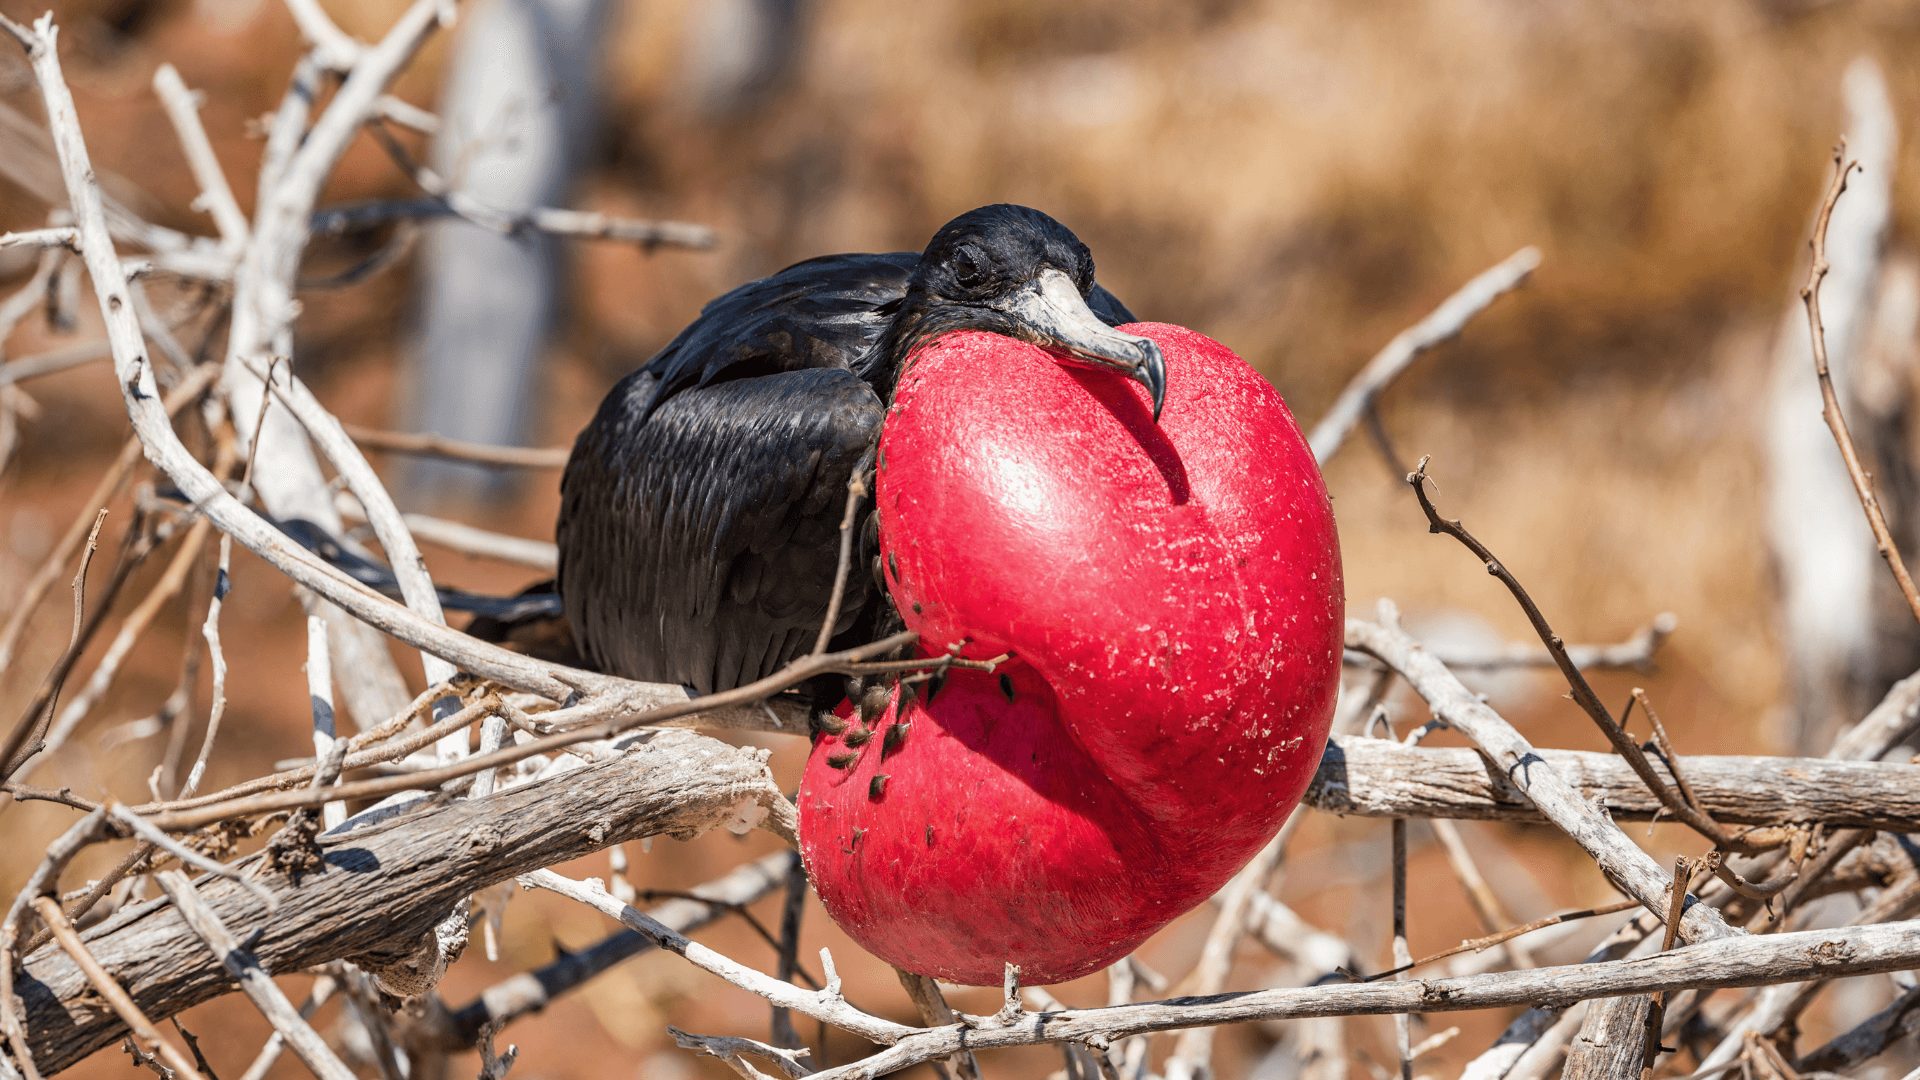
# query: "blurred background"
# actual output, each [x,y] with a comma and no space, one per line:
[1629,431]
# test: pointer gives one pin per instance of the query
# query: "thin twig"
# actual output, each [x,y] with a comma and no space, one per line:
[137,621]
[1480,944]
[135,858]
[254,982]
[856,490]
[216,197]
[1402,956]
[1830,401]
[323,988]
[1656,1011]
[825,1004]
[53,361]
[428,444]
[1493,915]
[1583,694]
[789,947]
[108,489]
[585,225]
[27,736]
[797,672]
[1444,323]
[107,988]
[1723,962]
[217,659]
[66,237]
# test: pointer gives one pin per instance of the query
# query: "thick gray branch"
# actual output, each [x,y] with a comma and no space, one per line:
[1382,778]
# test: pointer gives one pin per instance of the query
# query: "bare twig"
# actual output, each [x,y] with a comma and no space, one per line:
[1719,963]
[1193,1052]
[586,225]
[856,490]
[335,47]
[135,858]
[541,555]
[671,782]
[934,1011]
[187,855]
[1637,651]
[1443,324]
[731,1051]
[1867,1039]
[66,237]
[1481,944]
[216,198]
[53,360]
[135,625]
[254,982]
[323,988]
[1683,868]
[107,988]
[439,446]
[108,489]
[27,737]
[1830,401]
[791,910]
[1383,779]
[217,659]
[1493,915]
[531,992]
[795,673]
[1402,956]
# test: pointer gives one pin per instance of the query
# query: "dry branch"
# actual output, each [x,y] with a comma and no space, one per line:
[1444,323]
[583,224]
[431,445]
[1384,779]
[387,885]
[1726,962]
[254,980]
[110,990]
[1830,401]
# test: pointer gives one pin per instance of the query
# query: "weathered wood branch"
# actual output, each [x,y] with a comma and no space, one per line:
[1382,778]
[385,886]
[1724,962]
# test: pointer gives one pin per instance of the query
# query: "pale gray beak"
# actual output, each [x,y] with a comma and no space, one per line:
[1051,307]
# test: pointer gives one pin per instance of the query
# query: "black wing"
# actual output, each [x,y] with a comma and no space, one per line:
[824,312]
[698,545]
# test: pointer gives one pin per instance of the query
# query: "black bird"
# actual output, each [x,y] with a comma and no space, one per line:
[700,511]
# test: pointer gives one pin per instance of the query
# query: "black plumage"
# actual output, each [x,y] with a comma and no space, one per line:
[700,511]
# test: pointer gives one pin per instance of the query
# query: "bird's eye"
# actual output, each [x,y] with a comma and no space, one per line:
[966,267]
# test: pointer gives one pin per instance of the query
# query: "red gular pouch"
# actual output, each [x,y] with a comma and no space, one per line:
[1171,598]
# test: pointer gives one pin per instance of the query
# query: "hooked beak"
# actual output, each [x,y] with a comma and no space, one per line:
[1050,306]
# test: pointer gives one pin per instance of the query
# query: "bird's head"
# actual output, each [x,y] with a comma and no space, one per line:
[1015,271]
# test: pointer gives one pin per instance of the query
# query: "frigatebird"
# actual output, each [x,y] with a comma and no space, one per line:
[700,510]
